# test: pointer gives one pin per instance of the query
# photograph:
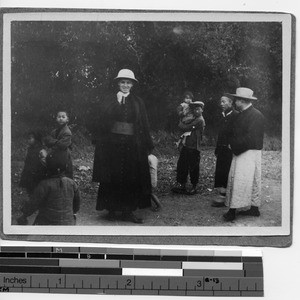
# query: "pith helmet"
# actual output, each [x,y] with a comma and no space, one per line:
[126,73]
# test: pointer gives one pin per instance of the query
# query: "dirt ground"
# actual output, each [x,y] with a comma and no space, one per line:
[177,210]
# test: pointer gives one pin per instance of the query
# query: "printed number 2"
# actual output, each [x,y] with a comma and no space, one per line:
[128,283]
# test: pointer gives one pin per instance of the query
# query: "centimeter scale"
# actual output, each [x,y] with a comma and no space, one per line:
[125,271]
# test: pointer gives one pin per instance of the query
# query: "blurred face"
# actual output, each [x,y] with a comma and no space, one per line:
[225,103]
[125,85]
[62,118]
[31,139]
[187,99]
[198,111]
[239,104]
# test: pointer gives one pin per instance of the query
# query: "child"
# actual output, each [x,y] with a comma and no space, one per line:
[57,198]
[189,158]
[34,171]
[60,140]
[183,109]
[191,119]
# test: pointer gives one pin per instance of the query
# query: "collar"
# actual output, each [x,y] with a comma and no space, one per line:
[227,114]
[120,96]
[248,106]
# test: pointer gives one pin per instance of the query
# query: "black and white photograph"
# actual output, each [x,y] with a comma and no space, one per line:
[140,123]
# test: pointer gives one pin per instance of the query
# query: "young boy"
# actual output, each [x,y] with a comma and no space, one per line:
[60,140]
[190,120]
[57,198]
[34,171]
[184,111]
[189,158]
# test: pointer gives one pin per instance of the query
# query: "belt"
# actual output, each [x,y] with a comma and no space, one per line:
[122,128]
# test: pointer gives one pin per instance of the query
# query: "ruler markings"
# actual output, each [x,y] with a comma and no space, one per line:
[230,276]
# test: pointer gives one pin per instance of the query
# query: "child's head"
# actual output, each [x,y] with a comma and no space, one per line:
[34,137]
[56,162]
[62,117]
[197,108]
[188,97]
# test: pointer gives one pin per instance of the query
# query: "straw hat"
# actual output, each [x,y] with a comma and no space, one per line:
[243,93]
[126,73]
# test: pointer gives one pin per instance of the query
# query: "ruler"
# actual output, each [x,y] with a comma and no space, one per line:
[128,271]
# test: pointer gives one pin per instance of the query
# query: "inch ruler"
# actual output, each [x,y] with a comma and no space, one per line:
[126,271]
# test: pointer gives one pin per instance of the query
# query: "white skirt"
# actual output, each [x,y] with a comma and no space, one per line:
[244,180]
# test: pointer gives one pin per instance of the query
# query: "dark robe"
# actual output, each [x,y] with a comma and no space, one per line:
[34,171]
[121,161]
[247,131]
[223,151]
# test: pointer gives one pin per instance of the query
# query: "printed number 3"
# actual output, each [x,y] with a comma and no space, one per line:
[199,283]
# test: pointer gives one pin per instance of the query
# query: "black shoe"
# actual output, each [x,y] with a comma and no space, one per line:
[253,211]
[193,191]
[230,215]
[179,189]
[218,204]
[131,217]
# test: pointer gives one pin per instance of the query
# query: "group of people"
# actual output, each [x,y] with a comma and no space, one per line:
[238,152]
[47,177]
[124,164]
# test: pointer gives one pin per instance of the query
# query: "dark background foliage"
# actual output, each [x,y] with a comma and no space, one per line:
[71,65]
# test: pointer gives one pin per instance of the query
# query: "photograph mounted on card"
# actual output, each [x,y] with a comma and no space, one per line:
[173,127]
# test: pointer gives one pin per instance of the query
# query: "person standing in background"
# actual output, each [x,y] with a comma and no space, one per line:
[223,151]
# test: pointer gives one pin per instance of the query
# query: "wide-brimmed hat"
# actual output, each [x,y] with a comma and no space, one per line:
[197,104]
[126,73]
[243,93]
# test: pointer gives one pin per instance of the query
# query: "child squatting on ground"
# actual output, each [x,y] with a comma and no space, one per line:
[189,158]
[60,140]
[57,198]
[34,171]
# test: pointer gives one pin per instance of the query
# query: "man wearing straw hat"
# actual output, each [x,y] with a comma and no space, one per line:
[246,142]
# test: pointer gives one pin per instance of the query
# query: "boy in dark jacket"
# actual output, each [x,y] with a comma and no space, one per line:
[60,140]
[57,198]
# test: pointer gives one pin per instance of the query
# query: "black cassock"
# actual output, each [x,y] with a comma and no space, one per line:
[121,160]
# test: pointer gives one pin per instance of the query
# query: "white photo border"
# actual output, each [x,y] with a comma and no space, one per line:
[285,19]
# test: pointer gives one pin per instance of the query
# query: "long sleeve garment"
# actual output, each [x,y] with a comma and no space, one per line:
[247,131]
[59,140]
[56,199]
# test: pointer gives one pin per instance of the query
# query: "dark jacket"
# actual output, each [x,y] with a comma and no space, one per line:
[225,129]
[57,199]
[103,137]
[34,171]
[60,139]
[247,131]
[196,127]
